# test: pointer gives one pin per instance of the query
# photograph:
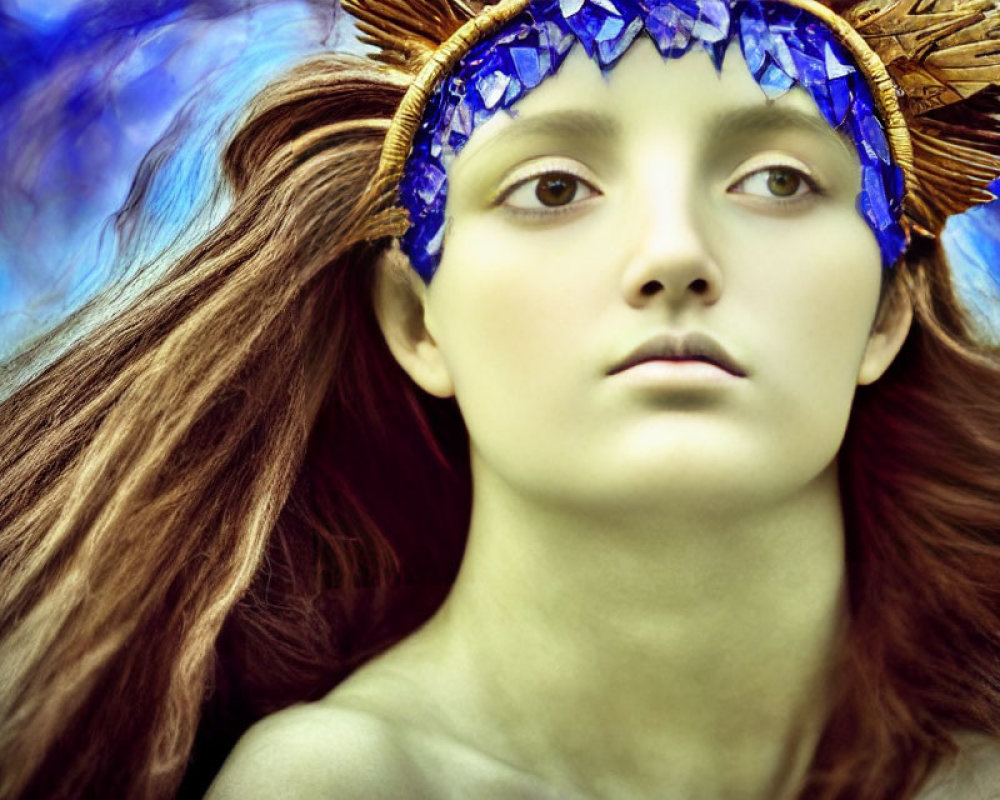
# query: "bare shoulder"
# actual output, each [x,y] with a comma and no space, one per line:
[973,775]
[316,751]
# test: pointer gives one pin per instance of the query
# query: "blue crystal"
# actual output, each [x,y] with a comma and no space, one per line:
[610,29]
[822,97]
[585,24]
[435,103]
[444,118]
[461,121]
[513,93]
[872,130]
[868,147]
[545,62]
[815,36]
[519,28]
[570,7]
[607,6]
[778,50]
[713,21]
[436,207]
[609,52]
[434,245]
[549,33]
[810,71]
[670,29]
[491,87]
[840,97]
[893,243]
[863,207]
[871,180]
[783,20]
[796,42]
[717,52]
[753,38]
[690,8]
[494,61]
[526,63]
[835,68]
[429,183]
[559,38]
[457,137]
[861,106]
[774,82]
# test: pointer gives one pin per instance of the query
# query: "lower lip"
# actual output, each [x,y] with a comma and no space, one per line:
[678,373]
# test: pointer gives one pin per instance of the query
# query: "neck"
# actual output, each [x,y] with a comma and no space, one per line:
[628,656]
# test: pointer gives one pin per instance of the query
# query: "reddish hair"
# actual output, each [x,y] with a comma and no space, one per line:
[226,498]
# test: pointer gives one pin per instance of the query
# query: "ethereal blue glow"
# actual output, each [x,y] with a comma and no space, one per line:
[972,243]
[100,99]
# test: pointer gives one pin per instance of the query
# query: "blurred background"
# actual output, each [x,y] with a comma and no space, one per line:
[112,119]
[106,100]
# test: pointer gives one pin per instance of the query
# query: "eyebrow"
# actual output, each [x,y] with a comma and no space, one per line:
[756,120]
[596,126]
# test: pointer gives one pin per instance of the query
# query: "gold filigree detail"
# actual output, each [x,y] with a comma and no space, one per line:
[407,32]
[939,52]
[942,54]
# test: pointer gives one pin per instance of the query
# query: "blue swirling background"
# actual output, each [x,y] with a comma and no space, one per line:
[98,97]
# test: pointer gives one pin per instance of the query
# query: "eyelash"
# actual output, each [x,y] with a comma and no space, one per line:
[814,189]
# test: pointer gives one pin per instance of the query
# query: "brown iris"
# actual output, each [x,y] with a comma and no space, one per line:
[783,182]
[556,188]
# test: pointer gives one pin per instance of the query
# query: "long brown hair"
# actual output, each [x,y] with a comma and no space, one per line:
[226,498]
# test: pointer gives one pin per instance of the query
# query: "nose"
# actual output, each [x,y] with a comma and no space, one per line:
[670,261]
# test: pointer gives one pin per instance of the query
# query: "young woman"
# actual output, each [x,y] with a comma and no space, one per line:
[453,484]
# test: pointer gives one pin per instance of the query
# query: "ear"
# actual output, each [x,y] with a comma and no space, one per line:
[399,299]
[888,333]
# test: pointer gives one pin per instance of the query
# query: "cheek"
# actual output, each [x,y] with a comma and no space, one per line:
[516,296]
[497,313]
[820,287]
[817,309]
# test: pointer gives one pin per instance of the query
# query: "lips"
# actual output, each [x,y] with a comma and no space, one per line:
[692,346]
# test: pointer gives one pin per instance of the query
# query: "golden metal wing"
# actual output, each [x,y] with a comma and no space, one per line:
[944,55]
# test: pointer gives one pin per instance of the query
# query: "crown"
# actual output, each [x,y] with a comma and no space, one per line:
[933,67]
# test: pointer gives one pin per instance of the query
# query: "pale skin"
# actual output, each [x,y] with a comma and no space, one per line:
[654,584]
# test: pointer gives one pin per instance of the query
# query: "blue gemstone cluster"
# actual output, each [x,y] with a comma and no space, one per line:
[783,46]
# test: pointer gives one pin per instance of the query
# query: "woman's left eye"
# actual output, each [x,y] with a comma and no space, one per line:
[781,183]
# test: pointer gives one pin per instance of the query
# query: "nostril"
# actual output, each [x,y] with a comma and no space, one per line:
[649,288]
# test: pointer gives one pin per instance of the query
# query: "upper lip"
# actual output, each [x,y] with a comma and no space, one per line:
[691,346]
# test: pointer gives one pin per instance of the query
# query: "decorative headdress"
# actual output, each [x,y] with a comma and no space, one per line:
[923,110]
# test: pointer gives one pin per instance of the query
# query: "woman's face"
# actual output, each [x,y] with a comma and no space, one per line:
[697,205]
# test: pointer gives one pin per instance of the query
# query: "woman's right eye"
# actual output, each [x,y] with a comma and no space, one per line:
[554,189]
